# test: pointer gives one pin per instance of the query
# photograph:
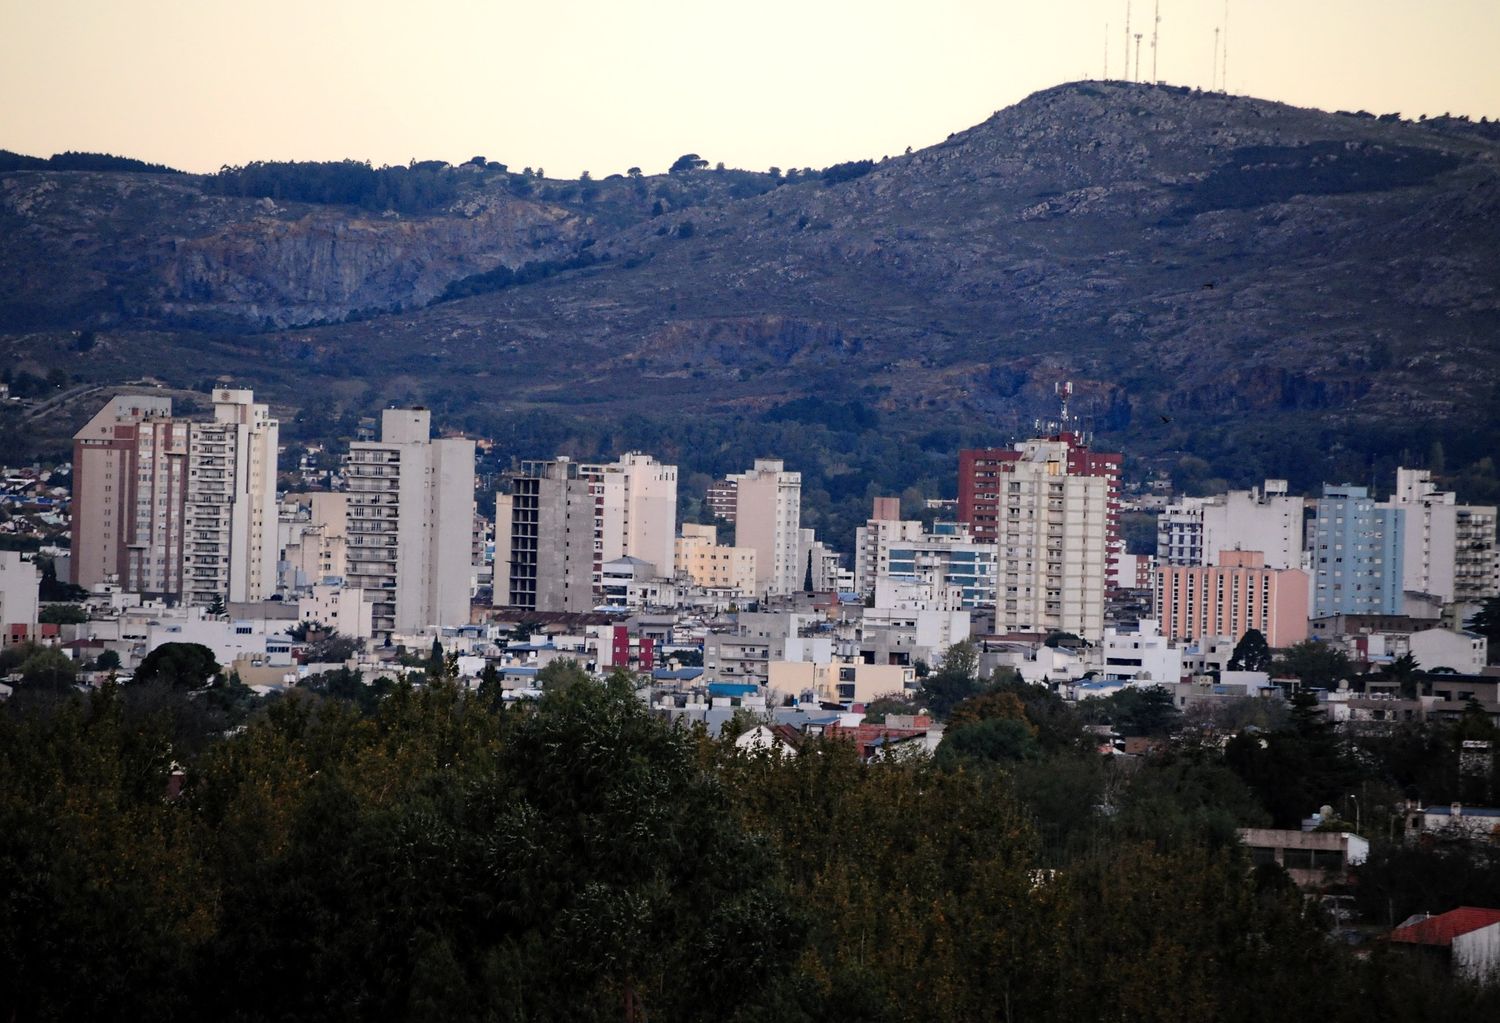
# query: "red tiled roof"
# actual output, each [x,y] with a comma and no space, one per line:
[1443,928]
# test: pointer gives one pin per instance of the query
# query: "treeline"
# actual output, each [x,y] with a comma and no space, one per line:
[431,853]
[422,187]
[71,161]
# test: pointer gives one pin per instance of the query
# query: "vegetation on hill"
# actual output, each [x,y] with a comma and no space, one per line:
[71,161]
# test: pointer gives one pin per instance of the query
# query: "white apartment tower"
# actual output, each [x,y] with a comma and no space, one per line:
[410,519]
[1051,556]
[230,515]
[1193,530]
[638,515]
[1447,549]
[768,519]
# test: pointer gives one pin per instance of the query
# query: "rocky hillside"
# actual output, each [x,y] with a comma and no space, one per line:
[1235,286]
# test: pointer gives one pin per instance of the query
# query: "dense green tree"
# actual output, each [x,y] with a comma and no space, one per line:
[1298,769]
[1251,653]
[62,614]
[178,665]
[1316,664]
[991,740]
[48,668]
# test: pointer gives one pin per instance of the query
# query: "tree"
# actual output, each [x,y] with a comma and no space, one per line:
[217,609]
[48,669]
[687,162]
[955,681]
[1315,663]
[989,740]
[108,660]
[62,614]
[560,675]
[1251,653]
[179,666]
[1486,622]
[1403,671]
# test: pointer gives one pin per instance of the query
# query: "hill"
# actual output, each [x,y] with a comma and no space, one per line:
[1237,288]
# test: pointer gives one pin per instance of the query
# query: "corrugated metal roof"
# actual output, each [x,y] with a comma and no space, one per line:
[1442,929]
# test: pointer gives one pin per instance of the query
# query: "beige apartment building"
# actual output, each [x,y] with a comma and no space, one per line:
[1051,547]
[768,519]
[173,508]
[699,557]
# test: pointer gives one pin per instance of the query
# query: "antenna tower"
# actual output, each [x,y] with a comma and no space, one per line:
[1064,391]
[1138,56]
[1155,29]
[1224,60]
[1127,41]
[1106,51]
[1213,81]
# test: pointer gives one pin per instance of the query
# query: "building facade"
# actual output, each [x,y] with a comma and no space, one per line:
[1355,553]
[177,509]
[410,513]
[768,519]
[1448,550]
[1231,598]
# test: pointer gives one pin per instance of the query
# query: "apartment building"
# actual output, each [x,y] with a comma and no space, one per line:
[177,509]
[699,557]
[1238,594]
[555,547]
[1193,530]
[1052,528]
[1448,550]
[1355,551]
[768,519]
[410,513]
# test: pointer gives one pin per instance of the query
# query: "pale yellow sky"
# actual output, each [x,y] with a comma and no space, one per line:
[579,85]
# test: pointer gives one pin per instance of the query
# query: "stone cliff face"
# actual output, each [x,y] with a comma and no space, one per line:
[80,249]
[326,265]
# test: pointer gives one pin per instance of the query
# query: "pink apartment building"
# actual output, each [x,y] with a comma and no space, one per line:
[1232,597]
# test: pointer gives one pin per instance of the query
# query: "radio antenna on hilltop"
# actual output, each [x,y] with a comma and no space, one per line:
[1213,81]
[1138,56]
[1126,75]
[1155,29]
[1106,51]
[1224,61]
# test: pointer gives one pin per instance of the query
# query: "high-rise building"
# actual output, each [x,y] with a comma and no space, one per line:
[178,509]
[410,515]
[1447,549]
[768,519]
[1230,598]
[981,473]
[638,513]
[554,536]
[1193,530]
[719,497]
[1355,554]
[230,520]
[1052,527]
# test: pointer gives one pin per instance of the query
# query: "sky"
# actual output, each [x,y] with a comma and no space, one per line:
[577,85]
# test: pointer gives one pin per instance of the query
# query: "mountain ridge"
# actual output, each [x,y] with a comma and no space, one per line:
[1226,280]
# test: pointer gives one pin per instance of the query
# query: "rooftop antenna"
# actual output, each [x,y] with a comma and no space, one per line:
[1064,391]
[1127,41]
[1155,29]
[1138,55]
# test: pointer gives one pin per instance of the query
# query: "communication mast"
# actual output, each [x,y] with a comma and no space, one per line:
[1138,56]
[1213,81]
[1155,29]
[1106,51]
[1224,60]
[1126,76]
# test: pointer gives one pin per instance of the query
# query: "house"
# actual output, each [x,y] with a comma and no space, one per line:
[1466,938]
[1313,859]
